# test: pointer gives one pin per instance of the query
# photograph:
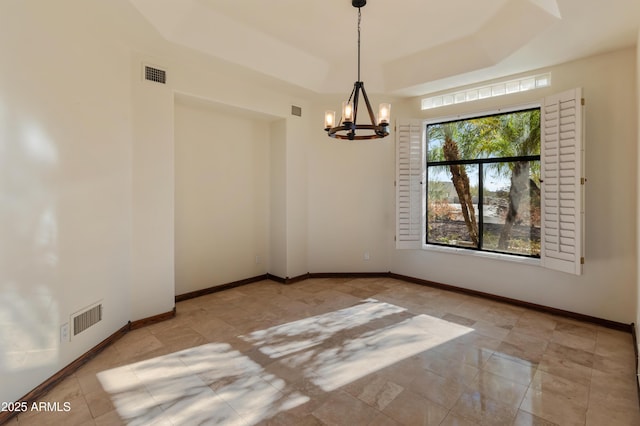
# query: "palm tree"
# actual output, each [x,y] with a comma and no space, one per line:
[460,181]
[458,136]
[498,136]
[517,135]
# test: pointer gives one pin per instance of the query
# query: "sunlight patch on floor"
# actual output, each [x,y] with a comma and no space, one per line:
[285,339]
[214,383]
[211,383]
[354,358]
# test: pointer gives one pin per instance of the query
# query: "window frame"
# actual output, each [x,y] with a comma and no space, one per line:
[480,163]
[563,191]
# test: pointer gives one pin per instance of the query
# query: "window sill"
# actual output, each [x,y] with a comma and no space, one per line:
[481,254]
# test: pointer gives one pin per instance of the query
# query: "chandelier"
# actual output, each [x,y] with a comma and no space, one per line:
[348,125]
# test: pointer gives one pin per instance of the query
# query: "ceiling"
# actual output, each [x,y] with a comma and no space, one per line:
[409,47]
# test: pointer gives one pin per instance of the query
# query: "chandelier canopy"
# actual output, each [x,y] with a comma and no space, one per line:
[348,126]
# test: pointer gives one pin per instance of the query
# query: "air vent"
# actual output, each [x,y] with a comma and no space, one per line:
[296,110]
[155,74]
[86,318]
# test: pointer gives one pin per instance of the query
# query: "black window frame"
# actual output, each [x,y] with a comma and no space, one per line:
[480,162]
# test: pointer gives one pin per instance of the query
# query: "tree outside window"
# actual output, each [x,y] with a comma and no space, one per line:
[483,183]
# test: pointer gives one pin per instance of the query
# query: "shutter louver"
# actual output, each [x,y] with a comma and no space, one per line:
[562,193]
[409,187]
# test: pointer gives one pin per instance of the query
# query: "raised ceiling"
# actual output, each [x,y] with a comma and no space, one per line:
[409,47]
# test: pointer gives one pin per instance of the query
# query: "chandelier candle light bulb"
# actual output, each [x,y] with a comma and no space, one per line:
[329,119]
[347,112]
[384,113]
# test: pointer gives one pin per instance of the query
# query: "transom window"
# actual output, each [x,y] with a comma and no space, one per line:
[483,183]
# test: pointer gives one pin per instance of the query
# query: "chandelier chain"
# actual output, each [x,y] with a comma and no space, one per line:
[359,19]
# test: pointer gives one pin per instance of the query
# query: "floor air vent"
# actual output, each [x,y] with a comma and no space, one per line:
[85,319]
[155,74]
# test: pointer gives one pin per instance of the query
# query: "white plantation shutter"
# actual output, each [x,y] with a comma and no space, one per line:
[410,195]
[562,184]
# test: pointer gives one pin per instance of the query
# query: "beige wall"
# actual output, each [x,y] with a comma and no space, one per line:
[223,84]
[87,179]
[65,184]
[278,202]
[297,137]
[351,198]
[222,187]
[152,195]
[192,75]
[637,322]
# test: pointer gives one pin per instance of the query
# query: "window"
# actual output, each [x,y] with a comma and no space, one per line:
[483,183]
[497,89]
[547,175]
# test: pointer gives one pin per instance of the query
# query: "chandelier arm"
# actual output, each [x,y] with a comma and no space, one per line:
[354,125]
[366,101]
[356,99]
[353,91]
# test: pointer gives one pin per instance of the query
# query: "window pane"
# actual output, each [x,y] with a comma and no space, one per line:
[512,134]
[511,208]
[451,220]
[484,92]
[527,84]
[504,214]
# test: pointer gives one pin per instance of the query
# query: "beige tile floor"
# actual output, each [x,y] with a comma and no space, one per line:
[354,352]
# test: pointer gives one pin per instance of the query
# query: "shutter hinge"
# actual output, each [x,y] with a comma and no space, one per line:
[395,238]
[395,183]
[583,181]
[582,101]
[582,260]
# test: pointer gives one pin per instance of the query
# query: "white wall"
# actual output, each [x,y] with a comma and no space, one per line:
[222,195]
[153,288]
[637,321]
[351,198]
[191,74]
[87,173]
[65,183]
[611,209]
[297,137]
[224,84]
[278,202]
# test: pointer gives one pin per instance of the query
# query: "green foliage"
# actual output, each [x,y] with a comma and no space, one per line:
[438,191]
[505,135]
[525,246]
[498,136]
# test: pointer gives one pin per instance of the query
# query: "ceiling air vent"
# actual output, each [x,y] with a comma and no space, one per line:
[86,318]
[155,74]
[296,110]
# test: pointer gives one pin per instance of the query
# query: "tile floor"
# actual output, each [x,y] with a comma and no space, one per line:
[354,352]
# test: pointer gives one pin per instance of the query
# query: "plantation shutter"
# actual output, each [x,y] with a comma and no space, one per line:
[562,182]
[409,184]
